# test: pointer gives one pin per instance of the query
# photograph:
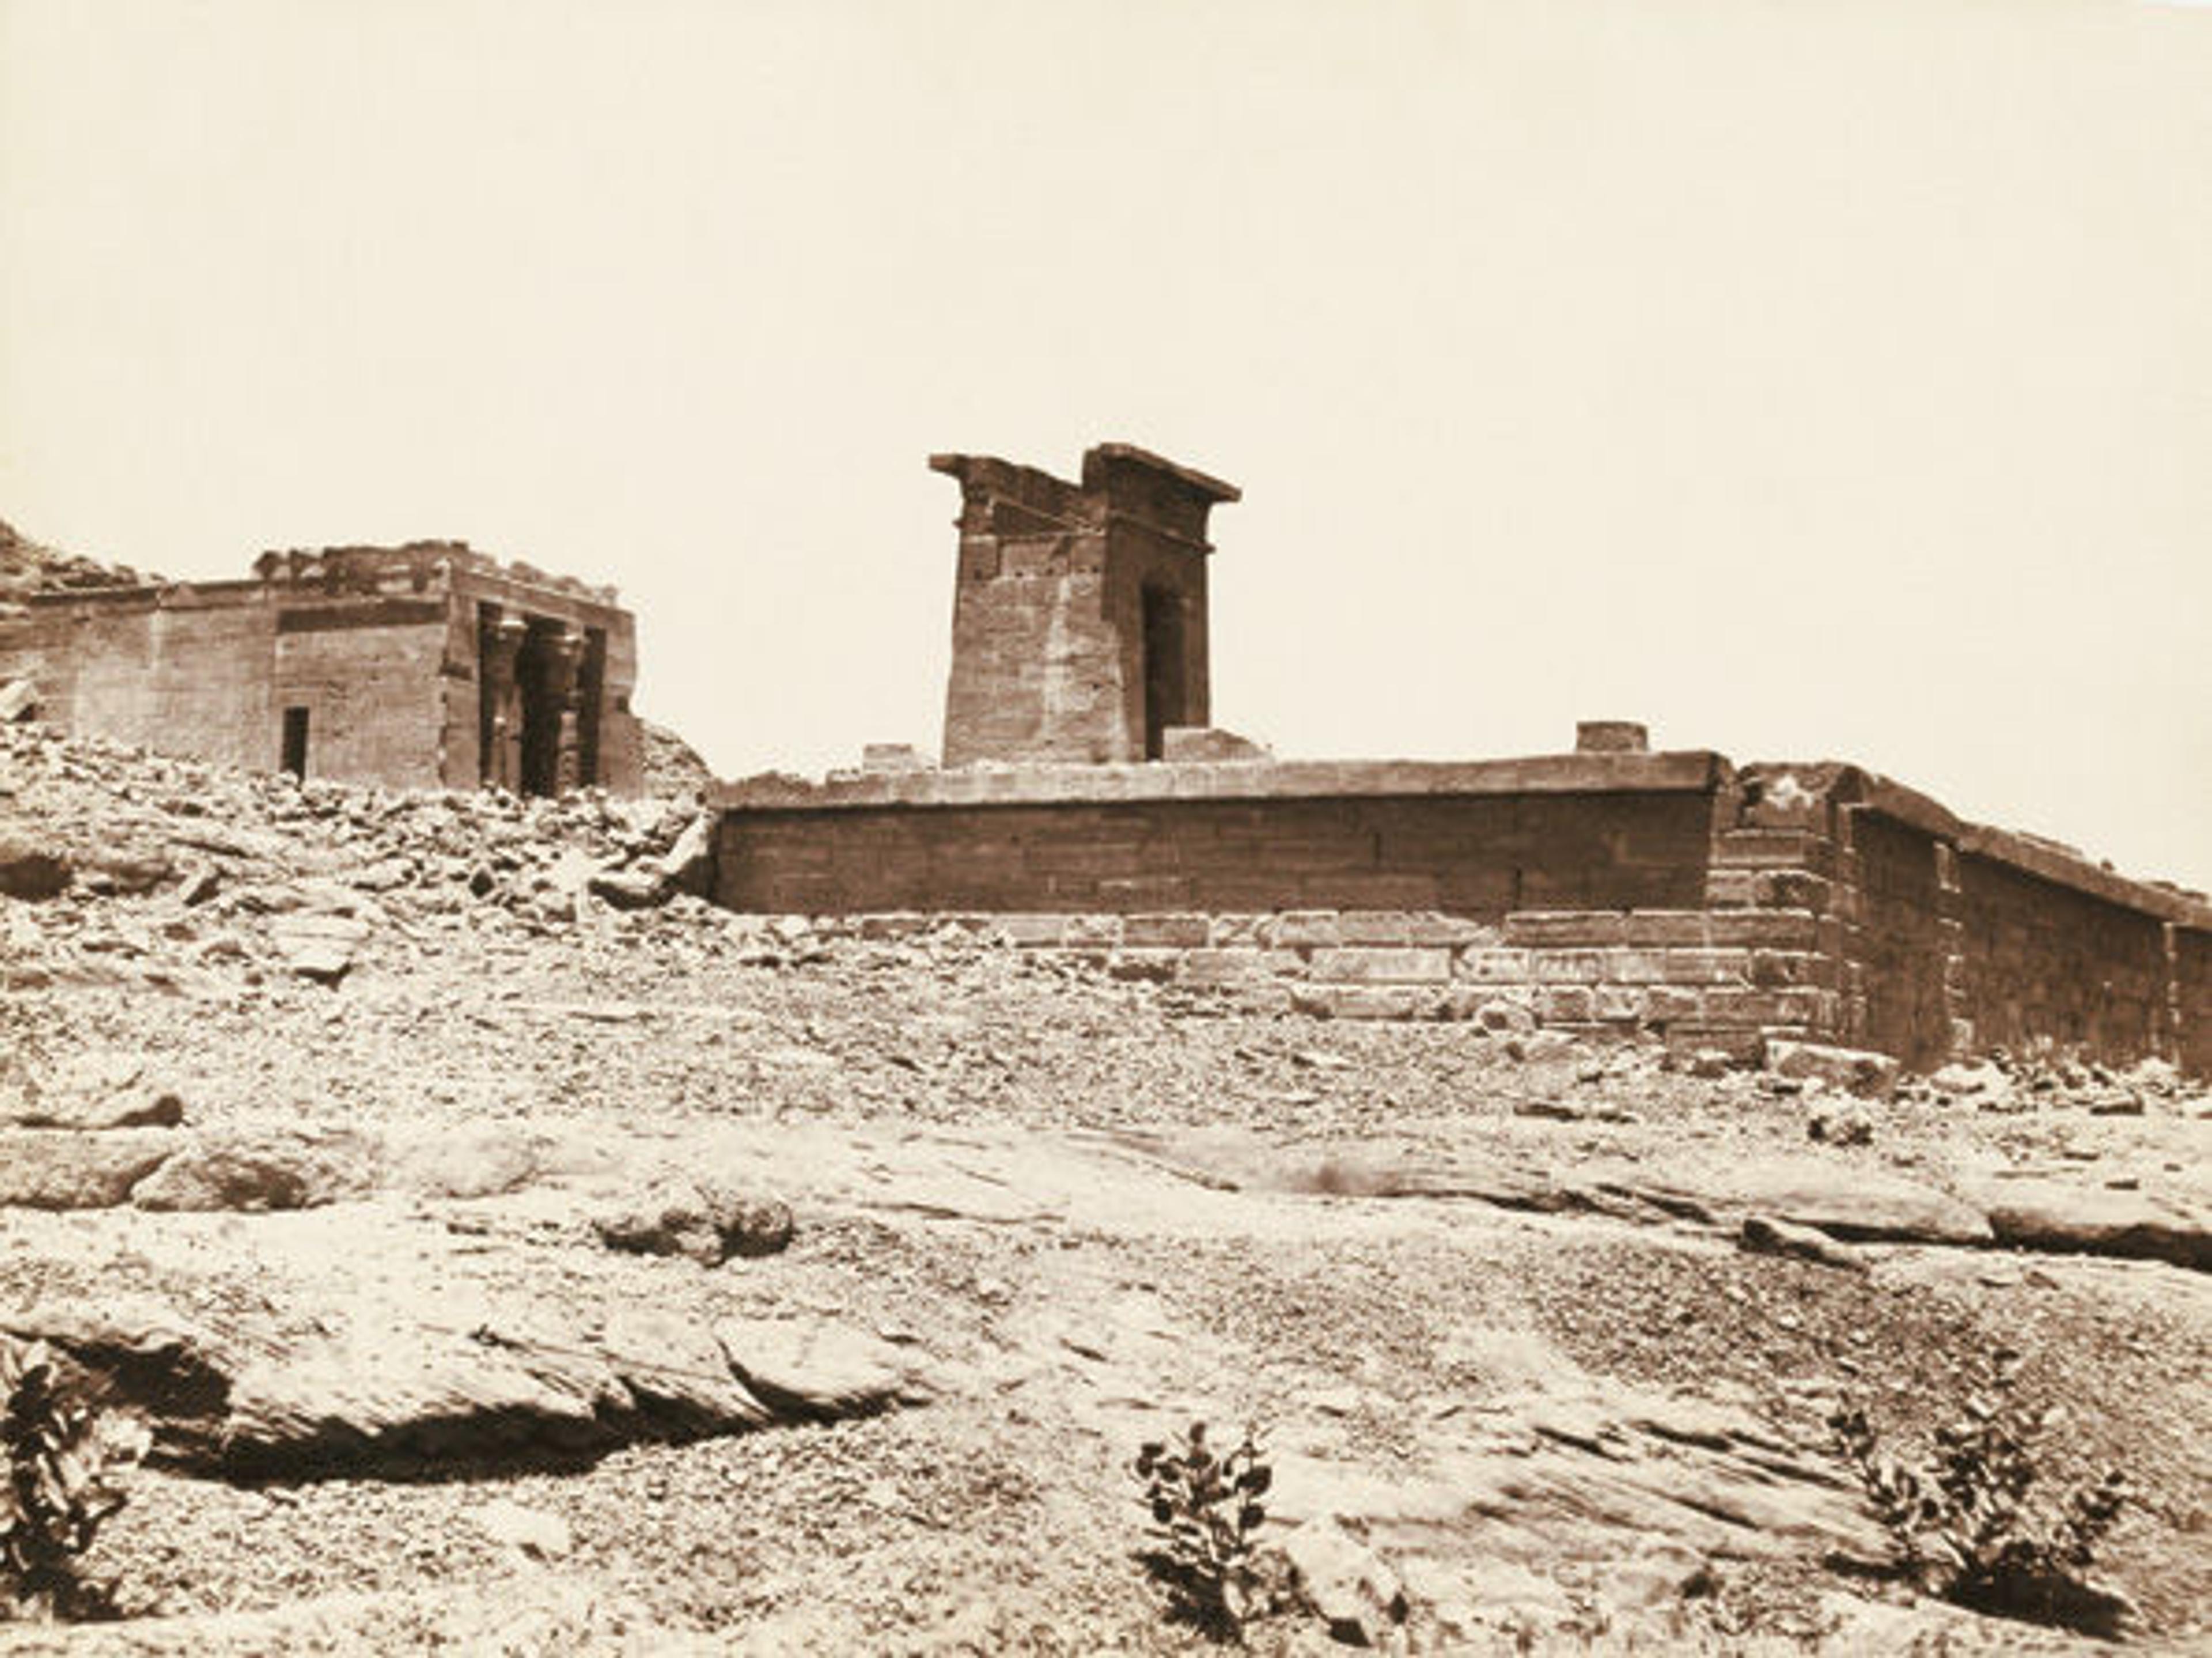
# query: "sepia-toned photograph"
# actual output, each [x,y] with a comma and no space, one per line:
[1053,827]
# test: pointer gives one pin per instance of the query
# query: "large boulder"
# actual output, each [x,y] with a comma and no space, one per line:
[94,1091]
[1852,1070]
[637,887]
[689,865]
[1844,1199]
[365,1387]
[701,1218]
[2067,1219]
[29,869]
[804,1370]
[319,945]
[61,1168]
[1347,1585]
[258,1172]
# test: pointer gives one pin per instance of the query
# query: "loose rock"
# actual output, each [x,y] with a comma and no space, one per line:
[1347,1585]
[258,1172]
[698,1219]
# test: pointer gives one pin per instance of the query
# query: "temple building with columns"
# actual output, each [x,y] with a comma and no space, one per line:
[425,665]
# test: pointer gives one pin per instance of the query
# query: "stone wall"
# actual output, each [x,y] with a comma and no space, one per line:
[1901,943]
[135,669]
[1478,857]
[2189,949]
[2039,959]
[1477,842]
[1661,973]
[1667,893]
[369,675]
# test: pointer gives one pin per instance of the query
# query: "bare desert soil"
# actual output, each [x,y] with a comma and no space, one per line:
[1486,1299]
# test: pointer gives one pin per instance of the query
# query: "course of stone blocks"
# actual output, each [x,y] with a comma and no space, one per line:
[423,665]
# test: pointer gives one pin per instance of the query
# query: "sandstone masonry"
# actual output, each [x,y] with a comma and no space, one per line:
[1079,616]
[426,665]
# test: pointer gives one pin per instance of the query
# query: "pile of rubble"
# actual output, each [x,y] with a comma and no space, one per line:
[27,566]
[2002,1081]
[306,874]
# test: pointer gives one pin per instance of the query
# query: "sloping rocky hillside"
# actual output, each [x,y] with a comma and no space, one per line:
[28,567]
[513,1253]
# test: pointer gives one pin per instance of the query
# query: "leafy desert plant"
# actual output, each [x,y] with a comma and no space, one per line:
[1967,1525]
[1206,1511]
[65,1459]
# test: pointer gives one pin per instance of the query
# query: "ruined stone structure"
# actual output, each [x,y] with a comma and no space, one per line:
[1610,889]
[1078,620]
[423,665]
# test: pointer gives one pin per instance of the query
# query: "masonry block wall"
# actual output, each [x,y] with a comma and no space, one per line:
[135,669]
[2037,958]
[365,662]
[1478,857]
[369,679]
[1670,894]
[1079,610]
[2189,949]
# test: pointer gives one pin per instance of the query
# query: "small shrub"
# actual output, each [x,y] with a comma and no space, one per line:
[65,1459]
[1205,1513]
[1967,1525]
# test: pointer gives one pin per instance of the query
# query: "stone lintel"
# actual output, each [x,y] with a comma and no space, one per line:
[1098,460]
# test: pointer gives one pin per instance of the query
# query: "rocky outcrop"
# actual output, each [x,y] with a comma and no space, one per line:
[65,1168]
[259,1172]
[234,1397]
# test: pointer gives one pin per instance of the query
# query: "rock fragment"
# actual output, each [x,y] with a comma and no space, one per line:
[255,1173]
[1345,1583]
[1763,1235]
[30,870]
[61,1168]
[700,1218]
[1854,1071]
[530,1532]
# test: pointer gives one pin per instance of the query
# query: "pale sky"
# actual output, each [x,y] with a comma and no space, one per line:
[1804,380]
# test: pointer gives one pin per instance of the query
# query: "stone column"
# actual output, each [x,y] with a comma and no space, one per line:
[502,760]
[564,655]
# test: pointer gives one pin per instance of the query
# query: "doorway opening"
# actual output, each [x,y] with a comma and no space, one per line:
[537,674]
[295,742]
[1165,689]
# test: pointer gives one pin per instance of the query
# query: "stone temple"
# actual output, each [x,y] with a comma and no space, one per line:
[422,665]
[1085,802]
